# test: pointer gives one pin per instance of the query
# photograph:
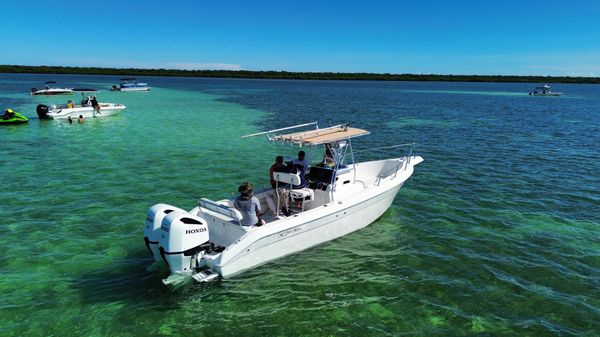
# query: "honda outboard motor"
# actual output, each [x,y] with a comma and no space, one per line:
[152,231]
[183,236]
[42,111]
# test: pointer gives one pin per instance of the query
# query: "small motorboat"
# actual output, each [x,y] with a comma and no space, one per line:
[130,84]
[85,108]
[544,90]
[335,197]
[12,117]
[51,89]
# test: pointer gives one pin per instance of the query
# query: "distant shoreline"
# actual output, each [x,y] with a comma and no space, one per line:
[16,69]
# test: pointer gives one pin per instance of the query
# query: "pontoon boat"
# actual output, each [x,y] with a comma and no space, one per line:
[130,84]
[341,196]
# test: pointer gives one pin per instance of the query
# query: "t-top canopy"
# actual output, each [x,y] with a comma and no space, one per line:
[322,136]
[317,136]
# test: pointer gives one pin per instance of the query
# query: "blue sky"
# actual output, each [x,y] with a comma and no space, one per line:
[443,37]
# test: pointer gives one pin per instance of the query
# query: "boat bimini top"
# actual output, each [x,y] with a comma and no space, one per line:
[335,141]
[332,134]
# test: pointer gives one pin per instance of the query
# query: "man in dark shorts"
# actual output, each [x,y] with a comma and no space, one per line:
[95,104]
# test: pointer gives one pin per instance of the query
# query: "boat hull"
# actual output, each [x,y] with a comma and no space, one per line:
[304,236]
[308,229]
[17,119]
[135,89]
[106,109]
[52,92]
[552,94]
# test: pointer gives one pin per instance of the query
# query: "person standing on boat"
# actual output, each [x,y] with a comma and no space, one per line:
[95,104]
[300,161]
[301,165]
[248,205]
[278,166]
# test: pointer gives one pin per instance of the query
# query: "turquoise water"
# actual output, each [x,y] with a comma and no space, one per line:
[495,234]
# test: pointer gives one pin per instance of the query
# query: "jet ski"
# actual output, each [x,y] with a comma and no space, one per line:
[12,117]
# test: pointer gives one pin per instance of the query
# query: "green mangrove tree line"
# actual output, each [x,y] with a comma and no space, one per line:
[291,75]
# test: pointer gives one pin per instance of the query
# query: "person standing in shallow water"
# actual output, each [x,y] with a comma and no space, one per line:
[80,119]
[70,120]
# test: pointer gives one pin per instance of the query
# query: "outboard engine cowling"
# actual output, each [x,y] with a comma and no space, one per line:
[183,236]
[152,230]
[42,111]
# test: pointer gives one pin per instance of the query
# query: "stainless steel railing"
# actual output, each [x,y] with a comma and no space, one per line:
[405,155]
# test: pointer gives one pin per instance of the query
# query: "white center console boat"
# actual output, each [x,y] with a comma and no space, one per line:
[84,108]
[544,91]
[51,89]
[339,196]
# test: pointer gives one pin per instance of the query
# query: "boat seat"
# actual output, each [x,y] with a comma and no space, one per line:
[293,179]
[287,178]
[303,194]
[222,209]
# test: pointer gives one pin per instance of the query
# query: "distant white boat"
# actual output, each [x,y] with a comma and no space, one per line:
[337,196]
[544,90]
[74,110]
[51,89]
[130,84]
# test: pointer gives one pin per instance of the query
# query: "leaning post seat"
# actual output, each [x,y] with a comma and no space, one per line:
[287,178]
[304,194]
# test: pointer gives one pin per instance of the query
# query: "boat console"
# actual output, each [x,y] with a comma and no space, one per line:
[319,177]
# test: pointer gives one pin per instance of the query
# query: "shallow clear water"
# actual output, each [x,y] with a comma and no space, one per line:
[497,233]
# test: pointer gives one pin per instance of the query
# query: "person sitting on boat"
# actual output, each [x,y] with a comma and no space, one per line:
[8,114]
[248,205]
[70,104]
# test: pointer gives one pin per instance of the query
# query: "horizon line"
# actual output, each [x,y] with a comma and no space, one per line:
[100,70]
